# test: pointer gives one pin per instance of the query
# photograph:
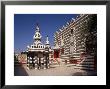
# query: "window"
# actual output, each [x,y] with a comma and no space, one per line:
[62,51]
[38,35]
[35,35]
[71,31]
[62,37]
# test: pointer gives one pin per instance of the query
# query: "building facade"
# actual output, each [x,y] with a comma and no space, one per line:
[77,39]
[22,58]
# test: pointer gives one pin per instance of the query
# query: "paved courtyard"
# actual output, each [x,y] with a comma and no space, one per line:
[55,70]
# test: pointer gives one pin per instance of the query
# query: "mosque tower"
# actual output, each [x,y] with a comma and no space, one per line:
[47,44]
[37,36]
[38,54]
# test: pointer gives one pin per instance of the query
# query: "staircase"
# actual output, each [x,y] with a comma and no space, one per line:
[63,56]
[87,63]
[64,59]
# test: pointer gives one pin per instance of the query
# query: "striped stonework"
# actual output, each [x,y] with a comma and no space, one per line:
[79,37]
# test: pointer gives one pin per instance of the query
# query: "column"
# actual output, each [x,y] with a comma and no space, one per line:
[28,62]
[45,62]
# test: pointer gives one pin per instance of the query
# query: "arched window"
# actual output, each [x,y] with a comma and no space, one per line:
[35,35]
[71,31]
[62,36]
[38,35]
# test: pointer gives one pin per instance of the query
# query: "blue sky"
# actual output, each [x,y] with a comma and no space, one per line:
[25,24]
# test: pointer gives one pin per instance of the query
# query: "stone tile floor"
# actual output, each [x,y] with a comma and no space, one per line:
[55,70]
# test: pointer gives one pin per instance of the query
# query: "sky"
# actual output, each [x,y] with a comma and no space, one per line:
[25,26]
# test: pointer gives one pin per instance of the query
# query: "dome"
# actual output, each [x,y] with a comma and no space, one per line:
[37,35]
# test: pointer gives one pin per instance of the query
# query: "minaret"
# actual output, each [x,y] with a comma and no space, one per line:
[37,28]
[47,42]
[37,36]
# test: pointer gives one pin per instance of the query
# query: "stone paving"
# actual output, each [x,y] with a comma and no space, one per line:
[55,70]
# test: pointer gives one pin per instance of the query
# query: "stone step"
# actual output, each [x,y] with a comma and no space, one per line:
[64,58]
[90,57]
[85,65]
[84,68]
[63,55]
[68,65]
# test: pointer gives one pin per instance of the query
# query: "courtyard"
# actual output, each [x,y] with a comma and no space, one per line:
[54,70]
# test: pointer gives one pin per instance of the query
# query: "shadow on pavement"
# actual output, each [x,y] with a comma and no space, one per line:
[86,73]
[19,70]
[78,74]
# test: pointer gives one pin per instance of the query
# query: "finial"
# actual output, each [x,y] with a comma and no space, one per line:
[60,29]
[67,23]
[47,41]
[37,27]
[73,19]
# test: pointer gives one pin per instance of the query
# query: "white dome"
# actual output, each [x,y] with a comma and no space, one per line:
[37,35]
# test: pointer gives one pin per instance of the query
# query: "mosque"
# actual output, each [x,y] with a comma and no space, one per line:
[74,43]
